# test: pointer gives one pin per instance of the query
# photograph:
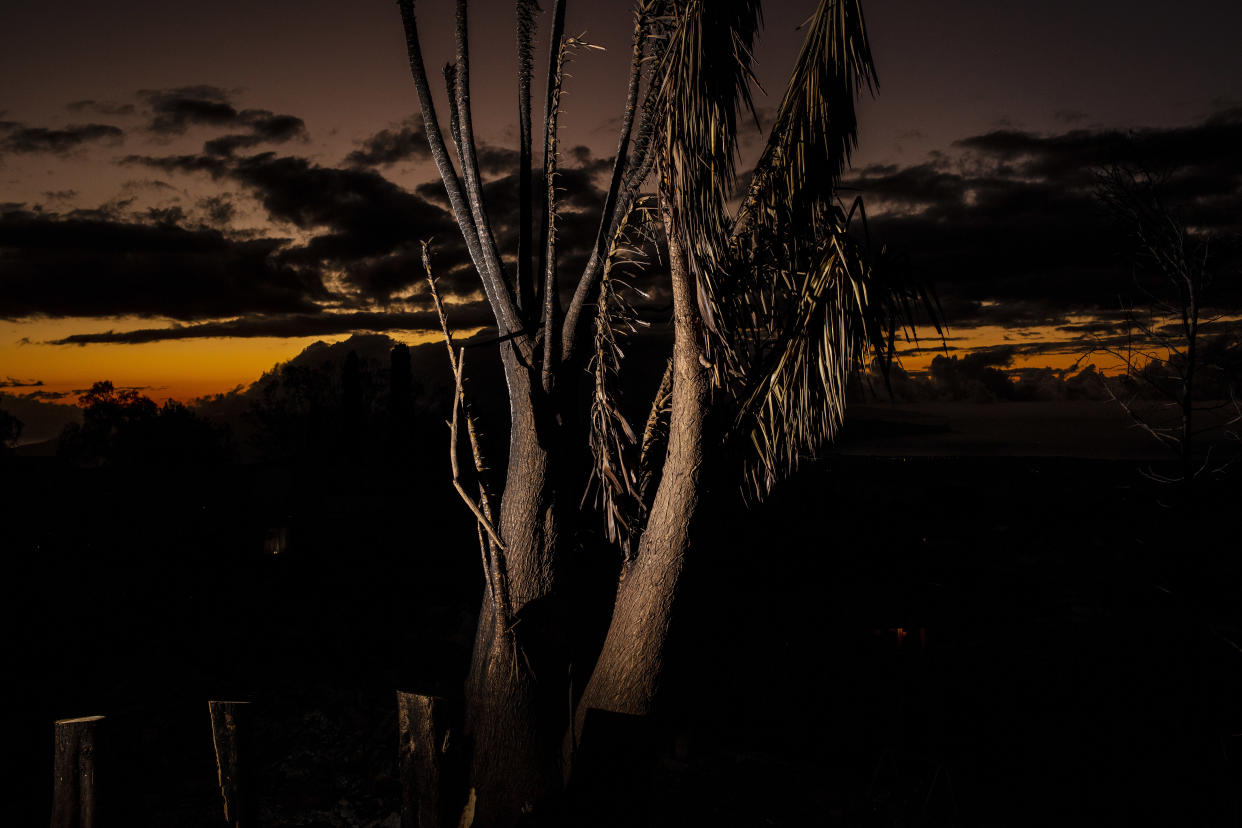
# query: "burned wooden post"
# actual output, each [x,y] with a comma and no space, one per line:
[75,787]
[428,780]
[230,733]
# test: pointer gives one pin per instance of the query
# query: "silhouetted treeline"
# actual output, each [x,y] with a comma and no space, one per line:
[353,402]
[125,428]
[357,408]
[10,431]
[1218,372]
[985,376]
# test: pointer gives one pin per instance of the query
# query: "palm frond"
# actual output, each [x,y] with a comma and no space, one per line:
[615,472]
[655,436]
[812,326]
[704,85]
[803,300]
[816,127]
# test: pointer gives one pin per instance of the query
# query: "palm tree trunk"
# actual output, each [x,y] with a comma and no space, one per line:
[627,673]
[516,704]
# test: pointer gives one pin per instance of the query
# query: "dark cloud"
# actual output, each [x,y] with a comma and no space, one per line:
[214,165]
[173,111]
[1099,327]
[219,209]
[91,266]
[24,139]
[362,224]
[147,184]
[986,376]
[1204,158]
[368,229]
[100,107]
[10,382]
[165,216]
[433,191]
[293,325]
[1010,230]
[265,128]
[497,160]
[389,146]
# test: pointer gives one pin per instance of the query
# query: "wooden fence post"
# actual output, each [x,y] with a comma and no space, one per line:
[75,788]
[423,744]
[230,733]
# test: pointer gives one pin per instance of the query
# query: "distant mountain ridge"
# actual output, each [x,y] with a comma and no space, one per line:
[41,420]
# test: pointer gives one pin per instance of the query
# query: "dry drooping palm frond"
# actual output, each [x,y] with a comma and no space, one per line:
[615,472]
[821,322]
[649,22]
[792,299]
[791,205]
[704,83]
[815,130]
[655,435]
[660,25]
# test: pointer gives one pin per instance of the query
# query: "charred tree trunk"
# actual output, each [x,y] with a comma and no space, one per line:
[230,734]
[626,676]
[425,739]
[74,795]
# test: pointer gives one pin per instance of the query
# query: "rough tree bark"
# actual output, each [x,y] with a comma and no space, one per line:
[627,674]
[514,711]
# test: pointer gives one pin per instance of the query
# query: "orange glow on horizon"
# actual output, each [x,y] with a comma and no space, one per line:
[180,369]
[1064,354]
[186,369]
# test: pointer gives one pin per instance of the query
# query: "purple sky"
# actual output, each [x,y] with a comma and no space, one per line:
[988,115]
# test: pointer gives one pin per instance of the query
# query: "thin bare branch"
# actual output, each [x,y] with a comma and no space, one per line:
[439,154]
[494,566]
[554,47]
[608,222]
[474,507]
[551,297]
[493,269]
[526,58]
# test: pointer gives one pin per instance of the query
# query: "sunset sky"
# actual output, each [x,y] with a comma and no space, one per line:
[192,193]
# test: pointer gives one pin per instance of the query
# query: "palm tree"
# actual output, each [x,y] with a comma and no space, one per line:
[775,302]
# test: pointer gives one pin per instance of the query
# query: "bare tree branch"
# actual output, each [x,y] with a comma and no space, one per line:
[500,302]
[554,48]
[551,297]
[474,507]
[494,270]
[494,567]
[608,220]
[526,58]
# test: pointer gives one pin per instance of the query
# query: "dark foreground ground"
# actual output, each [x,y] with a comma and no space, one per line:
[887,642]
